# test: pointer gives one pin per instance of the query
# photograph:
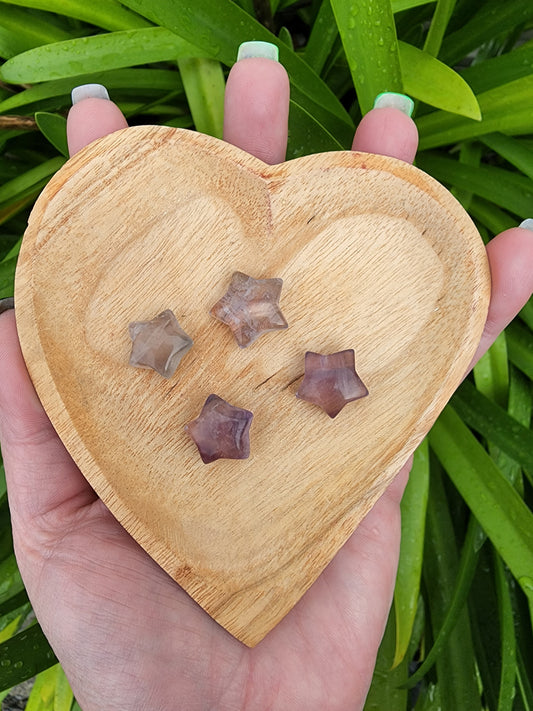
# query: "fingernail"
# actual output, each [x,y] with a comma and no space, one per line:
[266,50]
[527,224]
[89,91]
[7,304]
[390,99]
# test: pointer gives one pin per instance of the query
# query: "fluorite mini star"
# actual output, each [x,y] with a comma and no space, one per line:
[159,344]
[221,431]
[250,307]
[331,381]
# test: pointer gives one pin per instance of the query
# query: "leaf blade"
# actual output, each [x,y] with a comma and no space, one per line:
[408,577]
[113,50]
[23,656]
[434,83]
[108,14]
[492,499]
[368,34]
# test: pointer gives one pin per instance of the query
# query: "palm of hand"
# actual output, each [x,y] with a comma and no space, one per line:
[144,638]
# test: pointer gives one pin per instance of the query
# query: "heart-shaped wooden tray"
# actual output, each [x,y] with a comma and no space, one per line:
[374,255]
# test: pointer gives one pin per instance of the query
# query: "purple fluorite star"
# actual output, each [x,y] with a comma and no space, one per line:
[250,307]
[159,344]
[221,431]
[330,381]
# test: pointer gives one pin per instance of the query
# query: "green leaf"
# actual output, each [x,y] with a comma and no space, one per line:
[219,32]
[204,86]
[7,277]
[455,663]
[10,584]
[152,79]
[340,131]
[483,609]
[400,5]
[286,37]
[524,683]
[54,128]
[51,691]
[492,499]
[23,656]
[431,81]
[520,346]
[496,71]
[491,372]
[490,215]
[99,53]
[307,134]
[20,185]
[503,187]
[512,150]
[508,640]
[470,153]
[33,29]
[14,602]
[458,595]
[12,43]
[384,692]
[368,34]
[437,29]
[526,314]
[493,18]
[506,108]
[11,209]
[322,38]
[108,14]
[407,589]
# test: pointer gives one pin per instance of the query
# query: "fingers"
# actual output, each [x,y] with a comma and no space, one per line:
[92,116]
[256,108]
[510,258]
[388,129]
[39,471]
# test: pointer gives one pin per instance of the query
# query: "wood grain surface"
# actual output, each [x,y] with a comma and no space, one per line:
[374,255]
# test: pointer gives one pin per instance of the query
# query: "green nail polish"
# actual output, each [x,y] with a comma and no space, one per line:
[266,50]
[390,99]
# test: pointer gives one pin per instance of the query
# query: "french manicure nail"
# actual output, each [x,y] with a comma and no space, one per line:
[266,50]
[390,99]
[527,224]
[7,304]
[89,91]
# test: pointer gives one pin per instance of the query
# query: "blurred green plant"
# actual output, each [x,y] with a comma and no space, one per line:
[460,632]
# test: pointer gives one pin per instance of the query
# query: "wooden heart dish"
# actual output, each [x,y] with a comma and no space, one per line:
[374,255]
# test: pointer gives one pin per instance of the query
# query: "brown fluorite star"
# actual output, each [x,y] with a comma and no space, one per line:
[159,344]
[221,431]
[330,381]
[250,307]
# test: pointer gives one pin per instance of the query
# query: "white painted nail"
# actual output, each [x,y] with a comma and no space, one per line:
[527,224]
[89,91]
[266,50]
[390,99]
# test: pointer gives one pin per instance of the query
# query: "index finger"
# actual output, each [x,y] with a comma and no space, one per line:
[388,128]
[92,116]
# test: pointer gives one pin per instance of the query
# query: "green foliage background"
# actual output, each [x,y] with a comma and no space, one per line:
[459,635]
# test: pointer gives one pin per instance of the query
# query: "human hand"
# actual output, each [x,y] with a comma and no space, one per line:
[126,634]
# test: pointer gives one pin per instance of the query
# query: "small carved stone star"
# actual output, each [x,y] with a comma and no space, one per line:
[331,381]
[250,307]
[159,344]
[221,431]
